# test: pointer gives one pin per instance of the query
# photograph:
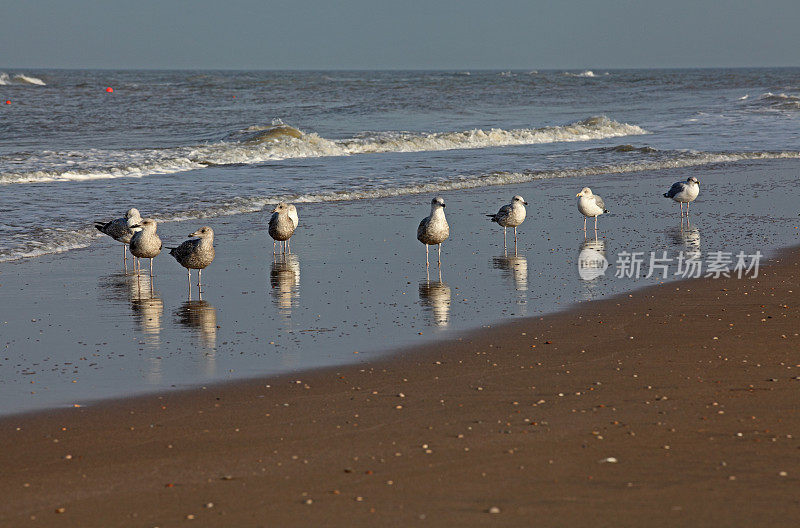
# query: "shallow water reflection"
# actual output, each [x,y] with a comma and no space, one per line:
[514,268]
[434,296]
[201,317]
[284,281]
[686,236]
[148,309]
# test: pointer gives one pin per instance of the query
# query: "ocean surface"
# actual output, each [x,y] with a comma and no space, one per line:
[361,154]
[199,144]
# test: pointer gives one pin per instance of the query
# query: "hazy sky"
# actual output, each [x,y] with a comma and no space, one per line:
[399,34]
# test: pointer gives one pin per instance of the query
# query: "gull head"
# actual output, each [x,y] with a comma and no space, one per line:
[438,201]
[692,179]
[203,232]
[132,213]
[585,192]
[282,207]
[148,224]
[519,199]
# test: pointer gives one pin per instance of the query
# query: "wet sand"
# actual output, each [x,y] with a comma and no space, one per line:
[675,405]
[81,330]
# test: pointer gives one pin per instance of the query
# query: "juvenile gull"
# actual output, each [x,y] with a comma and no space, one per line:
[282,224]
[684,192]
[510,215]
[590,205]
[120,229]
[434,229]
[197,253]
[145,243]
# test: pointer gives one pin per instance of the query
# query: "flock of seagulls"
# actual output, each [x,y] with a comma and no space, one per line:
[198,252]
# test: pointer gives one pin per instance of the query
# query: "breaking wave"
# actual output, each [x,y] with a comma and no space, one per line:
[774,101]
[20,78]
[56,241]
[279,141]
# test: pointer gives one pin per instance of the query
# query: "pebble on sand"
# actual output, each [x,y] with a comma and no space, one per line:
[493,509]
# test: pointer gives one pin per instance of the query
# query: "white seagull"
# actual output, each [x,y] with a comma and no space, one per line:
[434,229]
[590,205]
[684,192]
[145,243]
[282,224]
[196,253]
[120,229]
[511,215]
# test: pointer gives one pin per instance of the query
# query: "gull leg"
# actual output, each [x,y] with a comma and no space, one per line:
[504,237]
[427,262]
[687,209]
[273,247]
[199,279]
[515,238]
[681,204]
[439,261]
[595,224]
[151,266]
[584,224]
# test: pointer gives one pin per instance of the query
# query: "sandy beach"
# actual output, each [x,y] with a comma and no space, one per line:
[671,406]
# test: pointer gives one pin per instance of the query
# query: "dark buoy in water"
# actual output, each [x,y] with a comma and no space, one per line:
[109,89]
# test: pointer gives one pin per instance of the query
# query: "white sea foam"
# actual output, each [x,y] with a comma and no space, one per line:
[26,79]
[585,73]
[20,78]
[81,238]
[278,142]
[778,101]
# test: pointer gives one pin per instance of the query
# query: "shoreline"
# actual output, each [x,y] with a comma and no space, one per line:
[516,417]
[83,331]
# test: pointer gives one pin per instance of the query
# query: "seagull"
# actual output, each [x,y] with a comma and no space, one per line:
[282,224]
[434,229]
[511,215]
[590,205]
[145,243]
[120,229]
[684,192]
[197,253]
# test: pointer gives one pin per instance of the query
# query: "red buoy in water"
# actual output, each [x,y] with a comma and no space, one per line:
[109,89]
[8,102]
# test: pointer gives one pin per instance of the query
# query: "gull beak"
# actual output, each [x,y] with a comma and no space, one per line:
[443,205]
[578,194]
[524,203]
[135,226]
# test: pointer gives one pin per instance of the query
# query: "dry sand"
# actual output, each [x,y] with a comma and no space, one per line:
[673,406]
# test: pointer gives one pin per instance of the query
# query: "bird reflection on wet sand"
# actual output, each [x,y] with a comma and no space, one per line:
[434,296]
[148,307]
[201,317]
[592,287]
[284,281]
[514,267]
[145,302]
[686,236]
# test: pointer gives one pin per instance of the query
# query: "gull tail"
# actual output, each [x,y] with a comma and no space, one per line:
[606,211]
[666,195]
[101,226]
[493,217]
